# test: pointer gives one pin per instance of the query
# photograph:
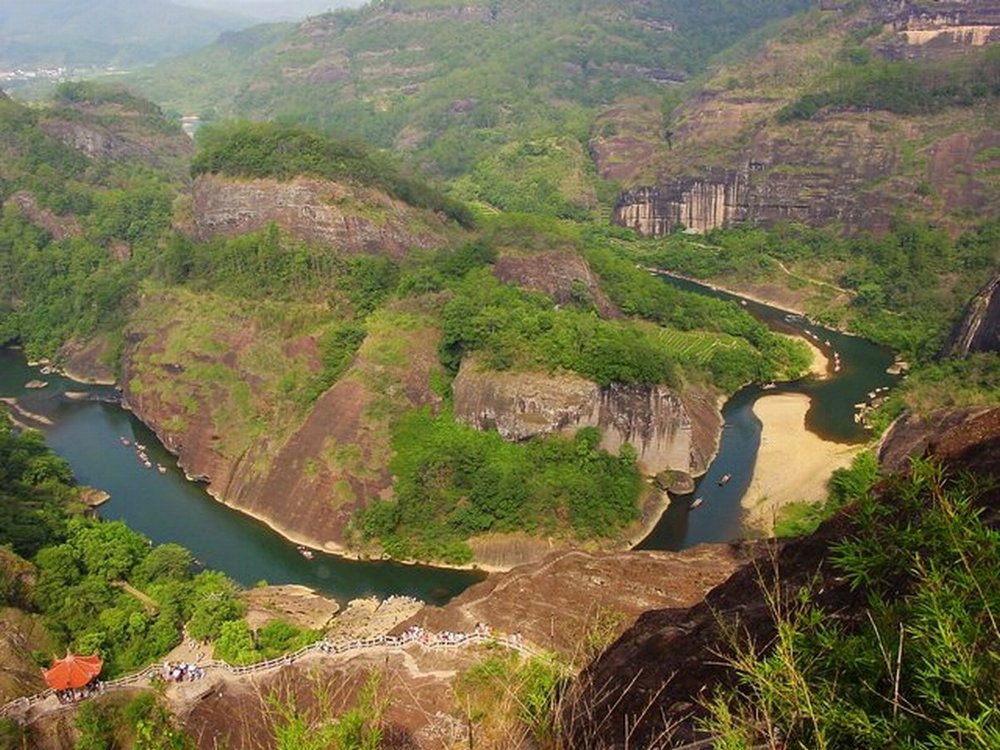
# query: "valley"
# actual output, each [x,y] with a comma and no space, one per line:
[582,365]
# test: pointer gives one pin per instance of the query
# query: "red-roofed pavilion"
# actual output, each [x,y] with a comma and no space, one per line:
[73,672]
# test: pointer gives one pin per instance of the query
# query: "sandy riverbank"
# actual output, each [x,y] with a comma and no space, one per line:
[820,364]
[793,464]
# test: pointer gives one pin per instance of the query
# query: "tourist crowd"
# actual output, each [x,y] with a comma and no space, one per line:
[181,672]
[79,694]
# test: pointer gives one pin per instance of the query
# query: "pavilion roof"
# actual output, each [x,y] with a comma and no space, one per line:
[74,671]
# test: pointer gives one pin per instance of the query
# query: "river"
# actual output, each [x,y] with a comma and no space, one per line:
[830,415]
[168,508]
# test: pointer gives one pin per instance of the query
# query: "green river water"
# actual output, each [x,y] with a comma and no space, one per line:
[167,508]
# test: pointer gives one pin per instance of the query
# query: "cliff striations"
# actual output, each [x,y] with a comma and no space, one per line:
[723,157]
[979,328]
[670,431]
[350,218]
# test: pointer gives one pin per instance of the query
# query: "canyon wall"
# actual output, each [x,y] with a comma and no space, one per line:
[210,376]
[349,218]
[979,328]
[723,157]
[670,431]
[825,178]
[941,27]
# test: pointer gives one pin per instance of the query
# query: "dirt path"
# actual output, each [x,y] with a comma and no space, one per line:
[151,606]
[810,280]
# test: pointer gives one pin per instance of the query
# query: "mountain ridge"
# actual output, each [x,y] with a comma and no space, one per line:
[106,32]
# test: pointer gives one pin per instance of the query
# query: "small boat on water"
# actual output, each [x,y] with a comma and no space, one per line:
[140,447]
[769,386]
[148,464]
[725,479]
[695,503]
[307,553]
[124,441]
[161,468]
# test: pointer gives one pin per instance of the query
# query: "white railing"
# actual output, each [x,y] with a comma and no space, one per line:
[425,639]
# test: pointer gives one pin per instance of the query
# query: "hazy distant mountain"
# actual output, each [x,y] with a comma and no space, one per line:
[105,32]
[273,10]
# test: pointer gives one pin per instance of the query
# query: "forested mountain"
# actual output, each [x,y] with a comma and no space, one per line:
[105,32]
[855,114]
[450,82]
[476,367]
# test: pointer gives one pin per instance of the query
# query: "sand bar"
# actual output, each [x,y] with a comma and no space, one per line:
[820,364]
[793,464]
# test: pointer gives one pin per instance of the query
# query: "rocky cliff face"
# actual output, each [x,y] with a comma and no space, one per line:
[816,173]
[670,431]
[561,274]
[110,133]
[60,227]
[979,328]
[698,205]
[207,375]
[349,218]
[722,157]
[647,689]
[942,27]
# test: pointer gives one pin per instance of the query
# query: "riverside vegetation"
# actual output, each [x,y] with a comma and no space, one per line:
[916,663]
[99,587]
[80,575]
[511,133]
[289,286]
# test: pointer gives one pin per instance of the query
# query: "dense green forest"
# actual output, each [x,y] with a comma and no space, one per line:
[454,482]
[56,284]
[456,81]
[907,287]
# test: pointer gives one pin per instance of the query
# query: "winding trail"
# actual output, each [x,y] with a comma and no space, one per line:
[811,280]
[31,708]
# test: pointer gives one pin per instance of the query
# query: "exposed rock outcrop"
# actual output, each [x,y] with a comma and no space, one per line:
[817,176]
[109,133]
[350,218]
[60,227]
[943,26]
[670,431]
[723,157]
[307,473]
[649,687]
[298,605]
[697,205]
[561,274]
[555,602]
[979,328]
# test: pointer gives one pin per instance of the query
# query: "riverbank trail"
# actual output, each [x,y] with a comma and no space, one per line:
[30,708]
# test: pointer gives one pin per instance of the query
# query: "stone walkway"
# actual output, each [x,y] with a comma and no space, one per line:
[30,708]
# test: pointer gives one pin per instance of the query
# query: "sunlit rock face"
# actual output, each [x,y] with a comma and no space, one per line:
[670,431]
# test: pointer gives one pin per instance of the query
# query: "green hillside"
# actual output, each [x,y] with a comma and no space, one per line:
[449,81]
